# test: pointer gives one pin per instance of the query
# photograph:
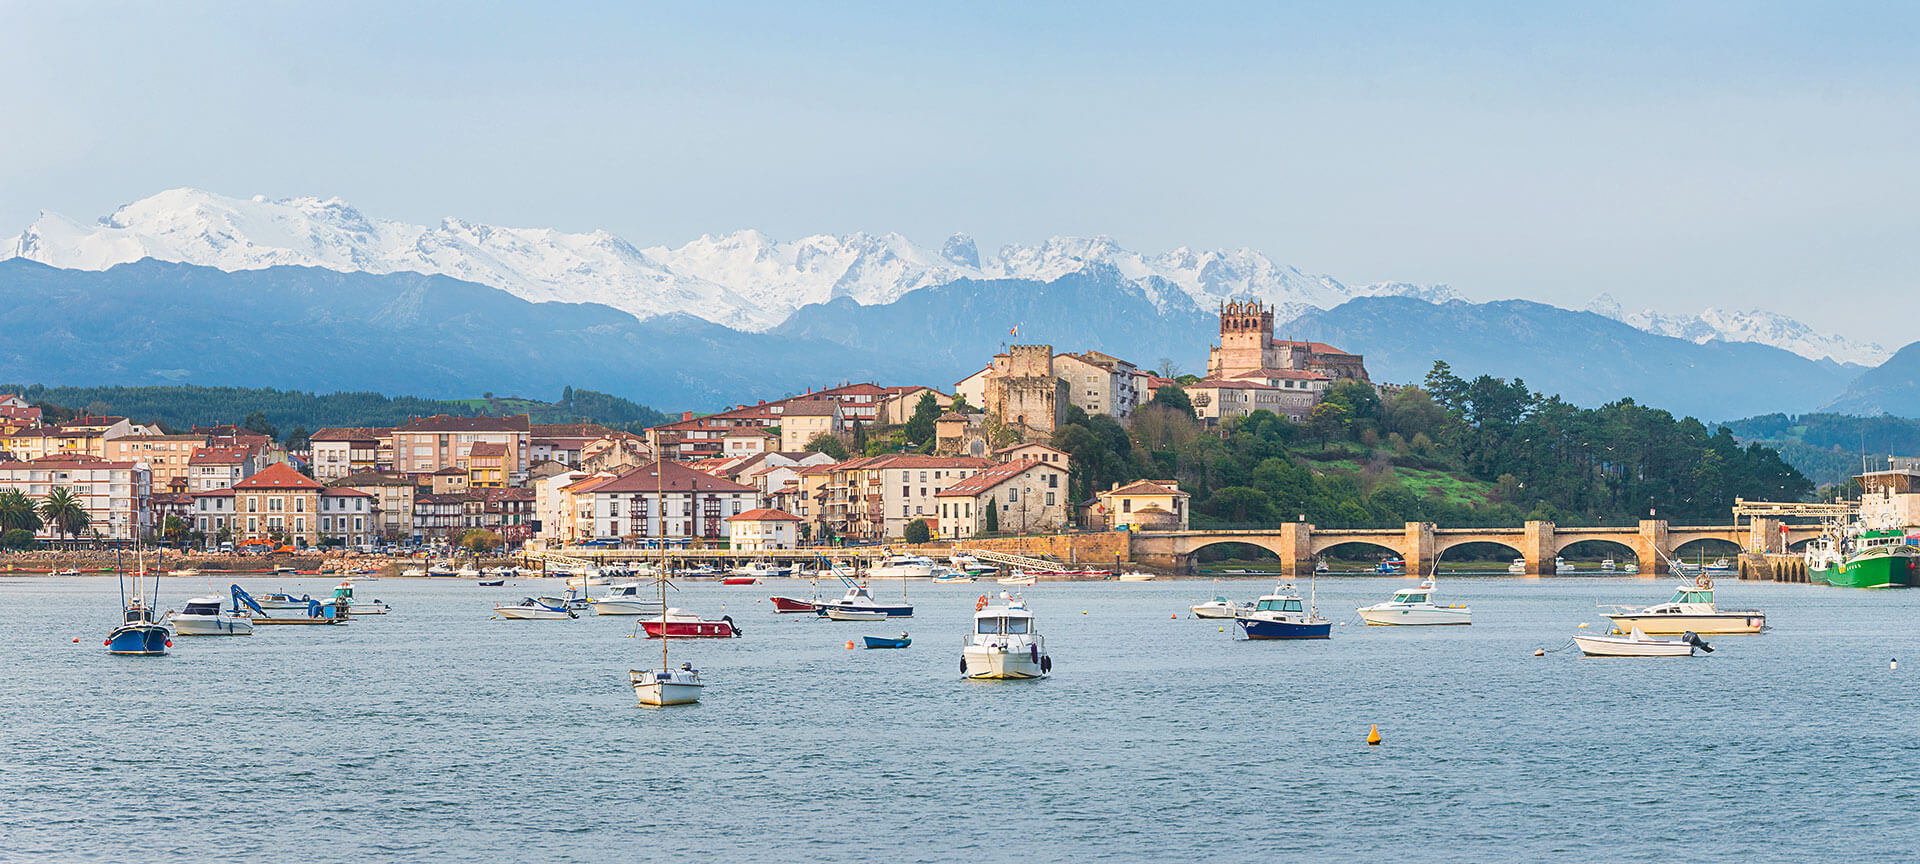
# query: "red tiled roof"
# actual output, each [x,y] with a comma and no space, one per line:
[345,492]
[214,493]
[812,408]
[487,448]
[568,430]
[1295,374]
[985,480]
[1229,384]
[1029,444]
[352,433]
[69,461]
[278,476]
[1315,347]
[218,456]
[764,514]
[448,423]
[1142,487]
[374,478]
[678,477]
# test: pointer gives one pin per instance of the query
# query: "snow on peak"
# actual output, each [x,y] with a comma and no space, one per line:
[1752,325]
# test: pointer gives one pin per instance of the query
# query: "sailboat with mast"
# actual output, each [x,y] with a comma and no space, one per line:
[665,685]
[140,632]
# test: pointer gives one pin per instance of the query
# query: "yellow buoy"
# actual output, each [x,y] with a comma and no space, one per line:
[1583,625]
[1539,652]
[1373,736]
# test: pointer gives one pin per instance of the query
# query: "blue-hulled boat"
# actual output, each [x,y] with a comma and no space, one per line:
[884,642]
[1282,615]
[140,632]
[858,599]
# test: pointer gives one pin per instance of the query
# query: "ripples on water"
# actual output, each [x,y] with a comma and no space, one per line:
[438,734]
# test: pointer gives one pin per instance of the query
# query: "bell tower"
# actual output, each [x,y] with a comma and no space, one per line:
[1246,339]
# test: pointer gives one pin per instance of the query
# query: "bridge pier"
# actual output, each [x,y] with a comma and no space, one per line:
[1538,547]
[1652,547]
[1296,549]
[1764,536]
[1420,552]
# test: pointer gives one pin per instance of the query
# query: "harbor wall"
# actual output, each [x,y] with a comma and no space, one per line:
[1101,547]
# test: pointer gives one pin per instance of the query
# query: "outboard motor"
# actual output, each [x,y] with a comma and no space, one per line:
[1694,639]
[736,627]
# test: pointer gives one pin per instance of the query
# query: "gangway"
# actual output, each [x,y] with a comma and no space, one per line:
[1009,559]
[1780,509]
[331,612]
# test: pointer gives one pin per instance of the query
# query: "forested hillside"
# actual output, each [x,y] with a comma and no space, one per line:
[1831,448]
[1485,451]
[188,405]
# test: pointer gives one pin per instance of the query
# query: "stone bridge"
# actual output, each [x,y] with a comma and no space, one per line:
[1653,543]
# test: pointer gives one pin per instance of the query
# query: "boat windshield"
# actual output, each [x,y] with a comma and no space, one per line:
[1685,595]
[1279,606]
[1404,597]
[202,609]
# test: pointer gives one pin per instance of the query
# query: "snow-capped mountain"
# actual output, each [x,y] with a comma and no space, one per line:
[743,280]
[1752,325]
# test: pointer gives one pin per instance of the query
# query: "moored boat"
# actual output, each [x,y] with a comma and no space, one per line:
[739,580]
[202,616]
[1005,644]
[681,624]
[139,632]
[1879,558]
[1282,615]
[1518,567]
[1220,607]
[839,614]
[1019,578]
[1636,643]
[1691,610]
[665,686]
[902,567]
[1136,576]
[788,604]
[535,609]
[1413,607]
[887,642]
[625,599]
[859,599]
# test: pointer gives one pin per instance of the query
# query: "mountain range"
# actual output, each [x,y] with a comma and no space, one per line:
[191,287]
[745,280]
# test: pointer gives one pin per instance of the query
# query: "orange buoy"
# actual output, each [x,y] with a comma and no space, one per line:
[1175,616]
[1539,652]
[849,644]
[76,638]
[1373,736]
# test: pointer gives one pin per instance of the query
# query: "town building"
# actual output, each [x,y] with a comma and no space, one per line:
[115,495]
[346,517]
[342,452]
[439,519]
[748,441]
[1150,504]
[220,467]
[15,409]
[898,408]
[762,529]
[1030,496]
[563,442]
[278,503]
[486,466]
[873,498]
[803,421]
[553,506]
[660,499]
[614,451]
[1099,383]
[1298,389]
[166,456]
[1037,452]
[392,504]
[1023,391]
[429,444]
[1219,399]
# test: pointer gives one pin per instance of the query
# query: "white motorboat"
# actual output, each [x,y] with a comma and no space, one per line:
[902,567]
[284,601]
[187,572]
[952,578]
[413,571]
[343,593]
[1020,577]
[1135,576]
[625,599]
[535,609]
[840,614]
[1691,610]
[1608,565]
[1562,566]
[1220,607]
[202,617]
[859,599]
[657,687]
[467,573]
[1282,615]
[968,564]
[1005,644]
[1415,606]
[758,570]
[587,577]
[1518,567]
[441,569]
[1638,644]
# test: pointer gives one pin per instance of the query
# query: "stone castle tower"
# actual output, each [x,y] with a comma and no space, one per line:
[1023,391]
[1246,340]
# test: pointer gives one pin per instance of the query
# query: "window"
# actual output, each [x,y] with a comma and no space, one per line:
[1049,499]
[1053,481]
[1012,494]
[1126,505]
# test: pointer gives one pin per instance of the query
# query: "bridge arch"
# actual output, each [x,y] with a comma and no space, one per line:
[1440,547]
[1384,544]
[1712,547]
[1618,548]
[1272,548]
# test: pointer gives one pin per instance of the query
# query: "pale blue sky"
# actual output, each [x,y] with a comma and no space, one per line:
[1675,155]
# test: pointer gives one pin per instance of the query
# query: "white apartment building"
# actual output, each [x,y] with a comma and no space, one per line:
[115,495]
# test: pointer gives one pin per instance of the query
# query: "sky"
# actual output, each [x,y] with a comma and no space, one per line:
[1674,155]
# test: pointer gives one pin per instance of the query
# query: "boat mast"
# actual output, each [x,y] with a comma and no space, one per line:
[660,483]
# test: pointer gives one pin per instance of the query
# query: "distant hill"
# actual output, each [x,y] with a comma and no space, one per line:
[1892,387]
[152,322]
[1586,358]
[1832,448]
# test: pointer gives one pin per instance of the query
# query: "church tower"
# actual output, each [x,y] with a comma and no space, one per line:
[1246,339]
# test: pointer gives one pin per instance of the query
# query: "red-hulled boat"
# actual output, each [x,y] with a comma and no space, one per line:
[738,580]
[788,604]
[681,624]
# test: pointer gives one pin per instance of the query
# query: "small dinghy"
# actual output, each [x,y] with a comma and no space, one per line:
[491,583]
[535,609]
[884,642]
[788,604]
[1638,644]
[739,580]
[681,624]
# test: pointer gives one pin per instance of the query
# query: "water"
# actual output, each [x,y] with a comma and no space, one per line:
[436,734]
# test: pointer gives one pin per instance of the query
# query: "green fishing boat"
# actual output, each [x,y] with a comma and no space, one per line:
[1873,559]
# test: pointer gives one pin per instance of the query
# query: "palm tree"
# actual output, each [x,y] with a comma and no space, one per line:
[64,512]
[17,512]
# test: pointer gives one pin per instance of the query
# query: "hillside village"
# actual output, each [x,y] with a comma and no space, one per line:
[841,463]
